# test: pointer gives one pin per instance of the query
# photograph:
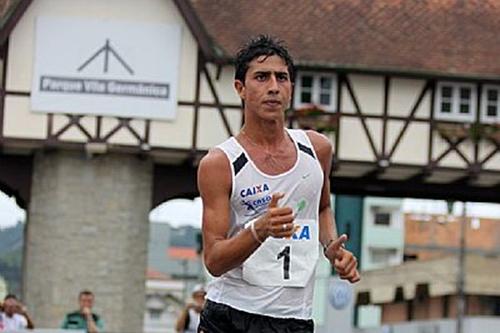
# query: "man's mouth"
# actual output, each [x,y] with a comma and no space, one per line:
[272,102]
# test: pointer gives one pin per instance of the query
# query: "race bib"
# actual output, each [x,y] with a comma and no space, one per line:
[285,262]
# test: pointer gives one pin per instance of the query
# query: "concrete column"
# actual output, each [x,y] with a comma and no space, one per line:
[88,229]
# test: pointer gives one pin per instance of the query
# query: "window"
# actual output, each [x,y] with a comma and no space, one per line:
[490,105]
[382,216]
[386,256]
[318,89]
[155,314]
[382,219]
[455,101]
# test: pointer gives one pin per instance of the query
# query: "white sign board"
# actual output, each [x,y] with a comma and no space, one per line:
[105,67]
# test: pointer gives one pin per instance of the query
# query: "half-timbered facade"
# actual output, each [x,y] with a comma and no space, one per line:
[407,91]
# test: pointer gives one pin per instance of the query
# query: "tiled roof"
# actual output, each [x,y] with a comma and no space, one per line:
[443,36]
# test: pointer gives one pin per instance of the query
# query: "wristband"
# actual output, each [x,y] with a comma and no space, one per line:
[326,245]
[254,232]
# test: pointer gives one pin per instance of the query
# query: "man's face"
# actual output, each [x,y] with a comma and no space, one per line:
[10,306]
[267,88]
[86,301]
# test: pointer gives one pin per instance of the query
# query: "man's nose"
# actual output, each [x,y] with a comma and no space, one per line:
[273,85]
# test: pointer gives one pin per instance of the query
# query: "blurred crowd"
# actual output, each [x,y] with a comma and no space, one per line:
[14,316]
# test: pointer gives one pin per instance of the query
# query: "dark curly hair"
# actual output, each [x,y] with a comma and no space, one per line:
[259,46]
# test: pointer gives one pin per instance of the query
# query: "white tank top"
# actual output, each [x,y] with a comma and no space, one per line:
[278,278]
[194,321]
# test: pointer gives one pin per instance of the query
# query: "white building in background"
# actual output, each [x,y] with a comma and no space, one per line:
[382,244]
[163,303]
[382,233]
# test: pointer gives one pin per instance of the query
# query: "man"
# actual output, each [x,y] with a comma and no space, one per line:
[84,318]
[266,207]
[190,317]
[11,319]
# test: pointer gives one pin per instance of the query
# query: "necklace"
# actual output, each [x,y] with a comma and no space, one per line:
[269,156]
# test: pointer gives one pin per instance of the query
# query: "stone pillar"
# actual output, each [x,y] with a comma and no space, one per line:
[88,229]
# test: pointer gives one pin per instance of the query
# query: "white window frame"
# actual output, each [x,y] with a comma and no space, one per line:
[484,104]
[455,114]
[316,91]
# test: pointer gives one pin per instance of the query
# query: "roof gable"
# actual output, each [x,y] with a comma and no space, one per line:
[443,36]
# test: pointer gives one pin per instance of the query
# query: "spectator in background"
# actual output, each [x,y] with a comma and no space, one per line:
[14,316]
[190,316]
[84,318]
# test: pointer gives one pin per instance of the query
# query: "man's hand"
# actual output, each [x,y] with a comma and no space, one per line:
[344,262]
[277,222]
[86,312]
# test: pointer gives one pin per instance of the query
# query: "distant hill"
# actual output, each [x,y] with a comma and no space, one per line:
[11,238]
[11,254]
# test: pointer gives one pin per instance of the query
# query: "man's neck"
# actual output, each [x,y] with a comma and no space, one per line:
[265,133]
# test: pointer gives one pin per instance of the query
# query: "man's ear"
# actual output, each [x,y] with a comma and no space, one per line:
[240,88]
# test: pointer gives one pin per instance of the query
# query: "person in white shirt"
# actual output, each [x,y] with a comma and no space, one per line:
[10,319]
[190,316]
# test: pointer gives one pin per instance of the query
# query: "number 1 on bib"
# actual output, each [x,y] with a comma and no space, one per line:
[286,261]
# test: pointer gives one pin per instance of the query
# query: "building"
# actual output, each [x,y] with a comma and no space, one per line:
[173,251]
[164,301]
[96,130]
[427,290]
[382,242]
[436,236]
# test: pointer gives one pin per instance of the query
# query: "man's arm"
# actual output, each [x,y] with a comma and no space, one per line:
[180,324]
[91,324]
[222,253]
[341,259]
[24,312]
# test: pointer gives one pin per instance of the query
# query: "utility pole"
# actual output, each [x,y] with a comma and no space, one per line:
[461,271]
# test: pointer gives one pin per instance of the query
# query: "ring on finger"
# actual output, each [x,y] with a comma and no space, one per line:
[284,227]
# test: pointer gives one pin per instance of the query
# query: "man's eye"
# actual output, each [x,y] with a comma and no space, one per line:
[260,77]
[282,77]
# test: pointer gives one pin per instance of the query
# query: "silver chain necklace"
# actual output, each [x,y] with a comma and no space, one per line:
[269,156]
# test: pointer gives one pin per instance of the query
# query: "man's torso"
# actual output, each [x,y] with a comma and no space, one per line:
[276,280]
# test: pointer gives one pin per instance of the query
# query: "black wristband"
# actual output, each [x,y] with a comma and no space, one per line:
[326,245]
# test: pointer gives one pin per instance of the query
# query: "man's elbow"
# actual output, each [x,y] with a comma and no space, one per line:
[213,267]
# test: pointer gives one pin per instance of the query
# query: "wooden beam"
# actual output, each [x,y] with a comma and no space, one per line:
[12,20]
[409,119]
[362,118]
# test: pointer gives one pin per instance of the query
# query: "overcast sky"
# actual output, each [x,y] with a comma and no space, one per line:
[180,212]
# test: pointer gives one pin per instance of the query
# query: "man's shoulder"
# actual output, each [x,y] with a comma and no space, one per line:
[73,314]
[214,158]
[214,174]
[73,317]
[214,161]
[318,139]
